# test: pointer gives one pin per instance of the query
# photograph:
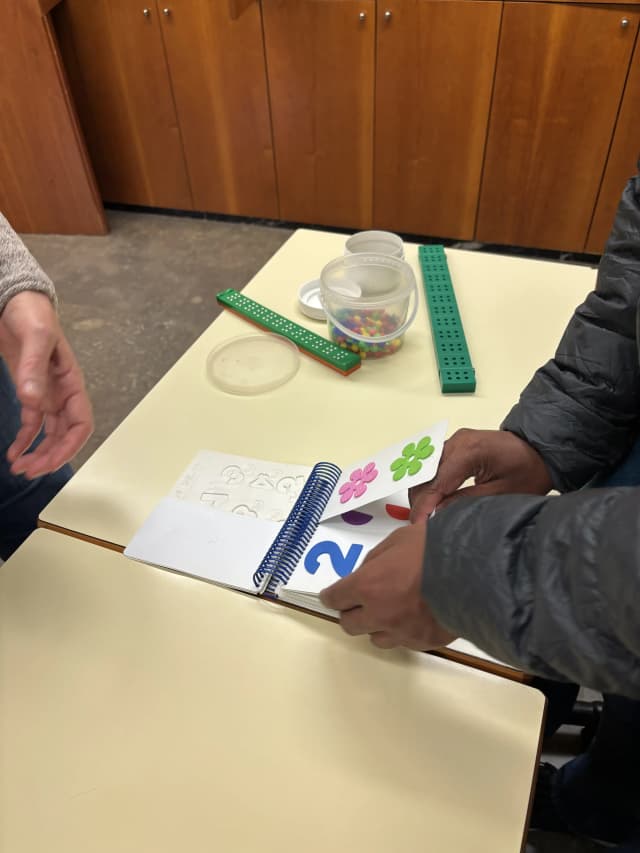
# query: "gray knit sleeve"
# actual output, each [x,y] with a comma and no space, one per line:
[19,270]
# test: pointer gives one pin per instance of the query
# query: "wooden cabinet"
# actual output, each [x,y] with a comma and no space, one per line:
[434,76]
[559,80]
[115,59]
[514,123]
[173,97]
[622,162]
[320,61]
[216,59]
[46,181]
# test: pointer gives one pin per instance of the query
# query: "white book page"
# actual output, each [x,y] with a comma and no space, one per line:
[203,542]
[340,544]
[467,648]
[241,485]
[329,554]
[409,462]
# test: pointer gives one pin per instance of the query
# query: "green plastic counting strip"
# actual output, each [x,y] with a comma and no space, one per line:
[342,360]
[454,363]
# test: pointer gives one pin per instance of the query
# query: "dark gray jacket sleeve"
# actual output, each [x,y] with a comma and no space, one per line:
[550,585]
[581,411]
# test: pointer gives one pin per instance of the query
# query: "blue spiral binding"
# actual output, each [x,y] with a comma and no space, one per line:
[295,534]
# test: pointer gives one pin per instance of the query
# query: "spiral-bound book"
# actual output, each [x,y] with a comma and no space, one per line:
[280,530]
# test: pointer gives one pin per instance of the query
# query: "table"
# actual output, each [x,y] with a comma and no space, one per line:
[514,311]
[146,713]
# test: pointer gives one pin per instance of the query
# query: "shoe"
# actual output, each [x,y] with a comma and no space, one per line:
[544,814]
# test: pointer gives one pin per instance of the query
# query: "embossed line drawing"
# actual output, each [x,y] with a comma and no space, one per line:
[232,474]
[262,481]
[214,499]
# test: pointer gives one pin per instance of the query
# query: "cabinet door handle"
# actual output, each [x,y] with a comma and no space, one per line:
[362,16]
[624,23]
[166,12]
[387,15]
[146,12]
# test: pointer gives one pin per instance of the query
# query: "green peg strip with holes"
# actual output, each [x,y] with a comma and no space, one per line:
[342,360]
[454,363]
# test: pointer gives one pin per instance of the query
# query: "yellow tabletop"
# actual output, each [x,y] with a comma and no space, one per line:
[143,713]
[513,311]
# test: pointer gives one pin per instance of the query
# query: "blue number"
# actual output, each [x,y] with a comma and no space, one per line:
[342,564]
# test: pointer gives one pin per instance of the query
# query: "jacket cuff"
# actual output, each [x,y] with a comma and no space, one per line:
[41,286]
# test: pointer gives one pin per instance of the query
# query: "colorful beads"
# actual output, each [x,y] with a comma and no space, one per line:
[367,325]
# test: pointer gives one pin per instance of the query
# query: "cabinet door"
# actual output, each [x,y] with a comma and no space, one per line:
[435,66]
[622,162]
[559,79]
[216,58]
[115,60]
[320,60]
[46,182]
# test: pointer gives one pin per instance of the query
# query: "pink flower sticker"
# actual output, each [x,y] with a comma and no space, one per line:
[356,485]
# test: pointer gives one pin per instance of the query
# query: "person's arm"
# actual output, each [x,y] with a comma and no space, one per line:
[581,411]
[49,382]
[19,270]
[550,585]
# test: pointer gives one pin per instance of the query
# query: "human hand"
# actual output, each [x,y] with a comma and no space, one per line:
[499,462]
[49,386]
[383,597]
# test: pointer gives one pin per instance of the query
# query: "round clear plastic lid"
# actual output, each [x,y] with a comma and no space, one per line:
[252,364]
[309,300]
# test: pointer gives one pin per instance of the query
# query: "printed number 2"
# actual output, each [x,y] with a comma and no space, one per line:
[343,564]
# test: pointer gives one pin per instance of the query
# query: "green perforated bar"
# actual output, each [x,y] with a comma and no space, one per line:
[342,360]
[454,363]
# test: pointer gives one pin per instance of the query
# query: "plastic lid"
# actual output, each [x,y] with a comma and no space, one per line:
[252,364]
[375,243]
[309,300]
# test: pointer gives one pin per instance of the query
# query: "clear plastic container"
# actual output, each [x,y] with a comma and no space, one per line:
[375,243]
[370,301]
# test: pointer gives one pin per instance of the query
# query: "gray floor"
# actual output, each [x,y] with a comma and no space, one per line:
[131,304]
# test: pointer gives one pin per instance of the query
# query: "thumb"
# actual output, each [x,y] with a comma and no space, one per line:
[32,369]
[424,501]
[454,469]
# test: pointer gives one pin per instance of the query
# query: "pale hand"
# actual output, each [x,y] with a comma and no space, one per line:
[49,385]
[498,461]
[383,597]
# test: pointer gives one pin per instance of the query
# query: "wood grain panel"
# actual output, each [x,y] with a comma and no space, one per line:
[435,68]
[45,6]
[559,80]
[219,79]
[116,62]
[46,181]
[320,58]
[622,162]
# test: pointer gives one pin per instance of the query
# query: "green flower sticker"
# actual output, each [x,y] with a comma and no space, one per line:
[411,460]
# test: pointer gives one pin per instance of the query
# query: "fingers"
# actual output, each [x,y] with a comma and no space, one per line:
[32,369]
[458,463]
[480,490]
[68,420]
[383,640]
[345,594]
[32,420]
[65,434]
[425,501]
[341,595]
[49,386]
[356,622]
